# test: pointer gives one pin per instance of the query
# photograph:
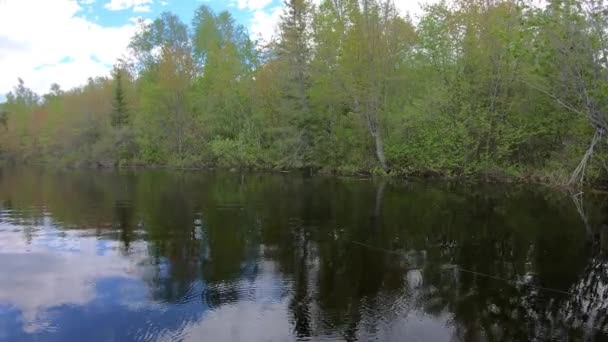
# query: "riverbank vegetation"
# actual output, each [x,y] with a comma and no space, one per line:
[503,88]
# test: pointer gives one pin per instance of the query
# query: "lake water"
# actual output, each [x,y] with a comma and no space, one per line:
[210,256]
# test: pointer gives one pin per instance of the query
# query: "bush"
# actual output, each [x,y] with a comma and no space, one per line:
[234,153]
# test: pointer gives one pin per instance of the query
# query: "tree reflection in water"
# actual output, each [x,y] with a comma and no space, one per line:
[340,259]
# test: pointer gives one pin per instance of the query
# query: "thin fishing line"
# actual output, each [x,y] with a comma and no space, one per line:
[510,282]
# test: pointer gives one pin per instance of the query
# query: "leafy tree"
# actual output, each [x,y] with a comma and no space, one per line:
[226,59]
[376,44]
[163,53]
[573,44]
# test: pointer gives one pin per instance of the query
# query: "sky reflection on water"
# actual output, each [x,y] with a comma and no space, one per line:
[162,256]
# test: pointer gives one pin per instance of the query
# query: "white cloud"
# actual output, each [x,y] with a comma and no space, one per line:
[87,2]
[264,23]
[51,263]
[32,39]
[119,5]
[261,315]
[164,3]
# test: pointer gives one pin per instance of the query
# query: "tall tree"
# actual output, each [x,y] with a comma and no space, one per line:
[573,41]
[120,112]
[328,96]
[21,103]
[377,43]
[293,59]
[226,61]
[166,119]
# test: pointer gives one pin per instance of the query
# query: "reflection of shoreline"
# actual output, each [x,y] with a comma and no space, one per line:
[185,256]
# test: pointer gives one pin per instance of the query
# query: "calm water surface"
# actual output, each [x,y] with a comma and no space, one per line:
[169,256]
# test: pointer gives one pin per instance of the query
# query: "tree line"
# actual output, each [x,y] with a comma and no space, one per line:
[502,88]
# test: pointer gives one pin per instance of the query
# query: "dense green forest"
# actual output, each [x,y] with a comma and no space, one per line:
[501,88]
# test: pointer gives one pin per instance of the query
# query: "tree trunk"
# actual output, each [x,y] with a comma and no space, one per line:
[380,150]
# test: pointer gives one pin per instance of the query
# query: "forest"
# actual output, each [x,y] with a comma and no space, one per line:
[505,89]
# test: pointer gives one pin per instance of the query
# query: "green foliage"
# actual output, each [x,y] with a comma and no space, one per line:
[233,153]
[226,58]
[475,87]
[3,118]
[120,113]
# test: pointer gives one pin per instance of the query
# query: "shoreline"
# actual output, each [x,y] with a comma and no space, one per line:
[493,176]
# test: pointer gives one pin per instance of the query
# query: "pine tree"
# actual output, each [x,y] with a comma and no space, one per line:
[293,48]
[120,114]
[294,59]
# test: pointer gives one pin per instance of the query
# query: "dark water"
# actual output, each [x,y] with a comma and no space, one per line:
[163,256]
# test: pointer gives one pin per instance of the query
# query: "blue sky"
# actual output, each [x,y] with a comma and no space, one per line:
[116,13]
[67,41]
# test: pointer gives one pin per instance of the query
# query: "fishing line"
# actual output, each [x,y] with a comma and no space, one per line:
[508,281]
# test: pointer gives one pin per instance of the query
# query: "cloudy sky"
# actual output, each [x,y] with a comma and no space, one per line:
[67,41]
